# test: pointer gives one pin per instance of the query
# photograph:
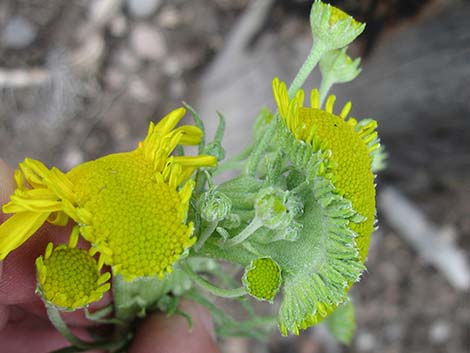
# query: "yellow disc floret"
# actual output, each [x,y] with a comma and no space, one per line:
[69,278]
[262,278]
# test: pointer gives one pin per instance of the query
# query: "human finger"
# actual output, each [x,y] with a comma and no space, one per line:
[162,334]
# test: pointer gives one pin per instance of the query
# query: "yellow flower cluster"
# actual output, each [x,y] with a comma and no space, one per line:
[131,207]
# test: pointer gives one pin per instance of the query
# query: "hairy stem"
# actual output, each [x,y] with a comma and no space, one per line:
[220,292]
[312,60]
[325,86]
[256,154]
[56,320]
[252,227]
[206,233]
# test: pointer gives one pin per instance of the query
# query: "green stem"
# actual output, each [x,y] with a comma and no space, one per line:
[326,84]
[266,140]
[56,320]
[229,165]
[227,325]
[206,233]
[312,60]
[238,256]
[252,227]
[220,292]
[200,182]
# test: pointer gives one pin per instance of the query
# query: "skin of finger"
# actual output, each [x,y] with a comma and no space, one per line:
[7,186]
[37,333]
[161,334]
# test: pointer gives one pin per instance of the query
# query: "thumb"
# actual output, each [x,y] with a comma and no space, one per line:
[161,334]
[7,185]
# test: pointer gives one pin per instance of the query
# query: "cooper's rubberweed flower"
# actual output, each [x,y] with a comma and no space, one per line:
[296,220]
[131,207]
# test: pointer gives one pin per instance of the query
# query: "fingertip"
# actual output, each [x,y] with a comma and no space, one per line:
[7,184]
[161,334]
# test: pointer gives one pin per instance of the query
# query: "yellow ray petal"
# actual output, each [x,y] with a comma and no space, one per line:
[19,228]
[168,122]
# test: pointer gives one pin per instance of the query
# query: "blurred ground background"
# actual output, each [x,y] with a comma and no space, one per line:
[80,79]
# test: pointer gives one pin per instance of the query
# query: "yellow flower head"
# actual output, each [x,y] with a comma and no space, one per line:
[262,278]
[131,207]
[351,145]
[69,278]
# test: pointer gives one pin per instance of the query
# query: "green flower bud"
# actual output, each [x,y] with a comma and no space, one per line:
[332,27]
[214,206]
[231,221]
[337,67]
[215,149]
[271,209]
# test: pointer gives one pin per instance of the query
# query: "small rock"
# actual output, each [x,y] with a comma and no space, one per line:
[87,58]
[148,42]
[172,66]
[366,342]
[18,33]
[103,11]
[143,8]
[140,91]
[439,332]
[118,26]
[127,60]
[115,79]
[169,18]
[72,157]
[393,332]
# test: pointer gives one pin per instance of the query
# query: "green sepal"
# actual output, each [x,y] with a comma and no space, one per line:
[214,148]
[262,121]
